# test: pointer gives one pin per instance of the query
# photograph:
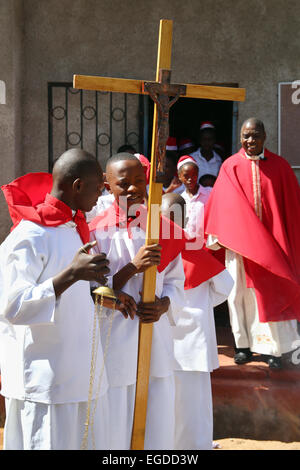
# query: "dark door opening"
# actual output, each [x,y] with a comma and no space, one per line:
[187,114]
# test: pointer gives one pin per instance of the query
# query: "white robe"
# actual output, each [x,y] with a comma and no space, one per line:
[45,342]
[196,355]
[268,338]
[121,359]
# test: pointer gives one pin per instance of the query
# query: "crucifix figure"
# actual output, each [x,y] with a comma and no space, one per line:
[164,95]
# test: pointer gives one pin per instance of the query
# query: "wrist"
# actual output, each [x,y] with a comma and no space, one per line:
[166,303]
[121,277]
[64,280]
[132,268]
[72,274]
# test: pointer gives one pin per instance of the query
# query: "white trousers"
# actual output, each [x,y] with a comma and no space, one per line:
[39,426]
[160,421]
[271,338]
[193,411]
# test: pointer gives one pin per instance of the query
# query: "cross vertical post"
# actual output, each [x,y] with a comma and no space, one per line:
[149,281]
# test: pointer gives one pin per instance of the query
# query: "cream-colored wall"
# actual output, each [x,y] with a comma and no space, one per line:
[11,63]
[255,43]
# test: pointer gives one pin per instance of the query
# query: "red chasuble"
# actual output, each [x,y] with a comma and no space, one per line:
[199,265]
[254,210]
[28,198]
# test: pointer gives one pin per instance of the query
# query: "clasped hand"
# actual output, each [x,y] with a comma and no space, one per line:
[125,304]
[147,256]
[150,312]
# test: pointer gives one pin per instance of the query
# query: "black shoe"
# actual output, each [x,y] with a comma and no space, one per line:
[242,355]
[275,362]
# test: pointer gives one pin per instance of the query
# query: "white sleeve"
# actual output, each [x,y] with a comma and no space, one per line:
[220,287]
[173,287]
[25,300]
[97,250]
[213,243]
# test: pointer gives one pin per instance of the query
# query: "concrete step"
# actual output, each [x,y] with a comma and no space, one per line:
[252,401]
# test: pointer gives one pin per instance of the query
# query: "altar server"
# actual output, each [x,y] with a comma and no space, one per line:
[207,284]
[46,310]
[120,233]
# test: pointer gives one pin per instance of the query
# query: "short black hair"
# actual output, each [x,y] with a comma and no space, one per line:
[122,156]
[257,122]
[75,163]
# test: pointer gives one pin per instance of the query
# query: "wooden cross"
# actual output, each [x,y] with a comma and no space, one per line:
[160,91]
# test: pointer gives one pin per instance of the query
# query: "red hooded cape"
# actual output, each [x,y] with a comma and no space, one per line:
[271,246]
[199,265]
[28,198]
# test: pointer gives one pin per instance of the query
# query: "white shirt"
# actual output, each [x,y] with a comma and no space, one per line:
[211,167]
[45,342]
[121,359]
[104,201]
[195,210]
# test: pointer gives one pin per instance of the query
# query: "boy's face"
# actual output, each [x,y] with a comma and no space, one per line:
[188,175]
[87,191]
[126,179]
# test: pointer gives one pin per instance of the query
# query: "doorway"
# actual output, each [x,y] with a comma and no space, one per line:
[187,114]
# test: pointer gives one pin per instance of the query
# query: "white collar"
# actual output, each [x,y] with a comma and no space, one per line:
[261,156]
[201,190]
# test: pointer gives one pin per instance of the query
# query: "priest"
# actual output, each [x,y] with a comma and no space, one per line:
[254,212]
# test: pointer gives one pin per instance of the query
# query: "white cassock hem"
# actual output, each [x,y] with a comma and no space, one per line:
[160,419]
[193,411]
[39,426]
[269,338]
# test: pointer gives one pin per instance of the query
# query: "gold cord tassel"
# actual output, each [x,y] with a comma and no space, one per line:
[100,292]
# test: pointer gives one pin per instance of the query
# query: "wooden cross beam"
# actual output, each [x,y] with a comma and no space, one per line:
[160,91]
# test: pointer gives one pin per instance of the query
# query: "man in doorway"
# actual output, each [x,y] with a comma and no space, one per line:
[254,212]
[206,157]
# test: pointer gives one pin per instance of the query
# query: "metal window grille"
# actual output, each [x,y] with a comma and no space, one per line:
[99,122]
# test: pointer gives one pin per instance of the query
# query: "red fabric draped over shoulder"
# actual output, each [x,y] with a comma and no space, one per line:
[270,246]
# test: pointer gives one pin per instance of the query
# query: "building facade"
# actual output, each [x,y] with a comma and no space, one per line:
[252,44]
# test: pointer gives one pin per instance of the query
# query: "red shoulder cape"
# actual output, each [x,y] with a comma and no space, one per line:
[28,198]
[199,265]
[270,247]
